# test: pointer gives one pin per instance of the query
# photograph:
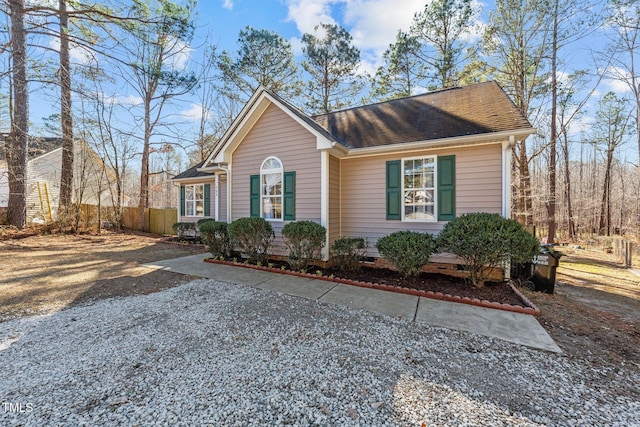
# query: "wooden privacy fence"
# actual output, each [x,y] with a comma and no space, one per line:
[158,221]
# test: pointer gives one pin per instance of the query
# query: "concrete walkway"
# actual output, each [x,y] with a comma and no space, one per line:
[517,328]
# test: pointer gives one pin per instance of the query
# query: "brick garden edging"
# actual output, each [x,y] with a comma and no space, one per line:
[529,308]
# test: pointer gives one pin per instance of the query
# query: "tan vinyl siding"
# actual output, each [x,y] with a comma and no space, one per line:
[212,198]
[334,199]
[478,188]
[277,134]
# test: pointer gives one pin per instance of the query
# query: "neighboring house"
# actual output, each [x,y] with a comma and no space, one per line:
[412,163]
[90,184]
[4,187]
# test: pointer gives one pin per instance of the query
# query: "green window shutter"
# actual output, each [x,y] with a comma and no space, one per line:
[182,197]
[289,208]
[254,201]
[394,190]
[207,199]
[446,188]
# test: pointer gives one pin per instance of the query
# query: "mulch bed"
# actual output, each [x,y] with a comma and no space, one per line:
[496,292]
[437,286]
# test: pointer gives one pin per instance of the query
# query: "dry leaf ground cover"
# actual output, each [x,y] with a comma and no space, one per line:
[595,314]
[44,274]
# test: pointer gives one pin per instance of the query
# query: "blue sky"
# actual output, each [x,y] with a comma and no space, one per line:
[372,23]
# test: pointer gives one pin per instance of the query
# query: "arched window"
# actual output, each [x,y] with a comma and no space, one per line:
[271,173]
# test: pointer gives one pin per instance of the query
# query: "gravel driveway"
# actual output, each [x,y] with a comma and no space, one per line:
[211,353]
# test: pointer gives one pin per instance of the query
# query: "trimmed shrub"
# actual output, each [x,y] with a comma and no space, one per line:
[253,236]
[407,250]
[203,220]
[347,252]
[485,241]
[185,229]
[305,240]
[214,234]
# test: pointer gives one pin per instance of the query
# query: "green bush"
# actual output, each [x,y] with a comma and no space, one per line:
[347,252]
[203,220]
[184,229]
[485,241]
[407,251]
[253,236]
[305,240]
[214,234]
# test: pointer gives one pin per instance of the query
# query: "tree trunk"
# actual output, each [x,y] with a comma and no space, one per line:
[66,174]
[143,203]
[524,186]
[19,137]
[637,95]
[571,228]
[551,205]
[605,205]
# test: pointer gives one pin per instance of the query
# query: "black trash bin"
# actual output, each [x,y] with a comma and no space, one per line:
[545,265]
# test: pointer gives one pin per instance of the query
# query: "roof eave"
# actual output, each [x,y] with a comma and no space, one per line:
[192,178]
[458,141]
[213,168]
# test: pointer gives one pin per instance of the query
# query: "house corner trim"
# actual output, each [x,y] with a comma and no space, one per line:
[324,199]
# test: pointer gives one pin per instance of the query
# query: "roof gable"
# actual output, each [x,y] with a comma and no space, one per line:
[478,109]
[249,116]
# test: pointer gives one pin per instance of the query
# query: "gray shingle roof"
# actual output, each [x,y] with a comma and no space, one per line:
[477,109]
[192,172]
[472,110]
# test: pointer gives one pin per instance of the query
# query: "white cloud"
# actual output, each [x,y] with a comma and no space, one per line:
[77,54]
[194,113]
[618,86]
[373,24]
[309,13]
[179,54]
[131,100]
[44,3]
[617,80]
[562,77]
[227,4]
[581,124]
[296,45]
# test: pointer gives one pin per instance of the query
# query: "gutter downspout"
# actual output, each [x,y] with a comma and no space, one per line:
[228,170]
[324,200]
[217,193]
[506,176]
[506,190]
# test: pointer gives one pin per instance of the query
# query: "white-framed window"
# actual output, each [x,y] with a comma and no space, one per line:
[419,189]
[271,173]
[194,200]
